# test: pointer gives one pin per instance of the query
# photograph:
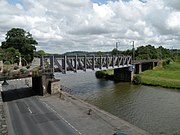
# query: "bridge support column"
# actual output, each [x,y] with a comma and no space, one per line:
[138,68]
[123,74]
[52,64]
[42,62]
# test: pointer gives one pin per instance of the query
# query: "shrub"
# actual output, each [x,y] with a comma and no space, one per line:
[166,62]
[23,71]
[100,74]
[5,72]
[7,62]
[137,79]
[16,74]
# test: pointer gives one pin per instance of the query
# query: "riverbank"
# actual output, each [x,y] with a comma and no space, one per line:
[88,119]
[167,76]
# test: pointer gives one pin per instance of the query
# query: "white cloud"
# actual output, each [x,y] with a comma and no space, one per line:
[66,25]
[173,21]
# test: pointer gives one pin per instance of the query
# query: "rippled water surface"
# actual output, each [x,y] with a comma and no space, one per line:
[154,109]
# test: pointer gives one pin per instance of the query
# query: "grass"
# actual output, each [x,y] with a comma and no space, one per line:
[108,72]
[168,76]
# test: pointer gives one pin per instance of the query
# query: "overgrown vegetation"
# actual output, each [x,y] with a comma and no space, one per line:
[167,76]
[105,74]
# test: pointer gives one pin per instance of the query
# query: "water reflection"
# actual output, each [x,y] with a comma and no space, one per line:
[154,109]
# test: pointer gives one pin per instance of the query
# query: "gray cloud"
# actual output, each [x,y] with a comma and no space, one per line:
[66,25]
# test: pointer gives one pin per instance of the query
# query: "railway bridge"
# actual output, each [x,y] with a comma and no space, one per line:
[124,66]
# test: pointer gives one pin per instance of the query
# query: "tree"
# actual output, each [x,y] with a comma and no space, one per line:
[22,41]
[115,51]
[99,53]
[40,53]
[10,54]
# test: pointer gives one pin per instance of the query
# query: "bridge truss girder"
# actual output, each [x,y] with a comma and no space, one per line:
[74,63]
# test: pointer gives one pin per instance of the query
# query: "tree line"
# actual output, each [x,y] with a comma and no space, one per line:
[19,43]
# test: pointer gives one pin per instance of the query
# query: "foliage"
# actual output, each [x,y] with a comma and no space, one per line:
[16,67]
[168,76]
[7,62]
[166,62]
[99,74]
[23,71]
[22,41]
[150,52]
[10,54]
[136,79]
[5,72]
[105,74]
[99,53]
[40,53]
[115,51]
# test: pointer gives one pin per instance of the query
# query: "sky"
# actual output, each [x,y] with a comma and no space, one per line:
[93,25]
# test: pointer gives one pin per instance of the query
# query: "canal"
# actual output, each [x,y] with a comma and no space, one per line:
[154,109]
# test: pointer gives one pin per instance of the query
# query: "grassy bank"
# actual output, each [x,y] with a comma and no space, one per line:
[167,76]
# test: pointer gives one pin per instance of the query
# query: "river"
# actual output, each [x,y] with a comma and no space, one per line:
[154,109]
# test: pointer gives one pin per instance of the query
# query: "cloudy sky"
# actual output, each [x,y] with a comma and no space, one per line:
[94,25]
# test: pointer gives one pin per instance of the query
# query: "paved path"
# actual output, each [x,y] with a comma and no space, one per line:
[98,122]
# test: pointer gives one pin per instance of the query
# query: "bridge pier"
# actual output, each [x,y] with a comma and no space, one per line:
[123,74]
[138,68]
[44,84]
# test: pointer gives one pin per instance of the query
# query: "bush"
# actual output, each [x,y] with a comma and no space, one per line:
[5,72]
[100,74]
[23,71]
[16,74]
[137,79]
[7,62]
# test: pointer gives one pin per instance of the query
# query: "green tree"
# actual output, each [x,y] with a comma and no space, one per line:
[22,41]
[99,53]
[40,53]
[11,55]
[115,51]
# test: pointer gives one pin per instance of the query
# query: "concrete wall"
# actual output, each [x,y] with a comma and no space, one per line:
[140,67]
[123,74]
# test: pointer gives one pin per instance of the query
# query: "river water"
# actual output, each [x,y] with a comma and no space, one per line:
[154,109]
